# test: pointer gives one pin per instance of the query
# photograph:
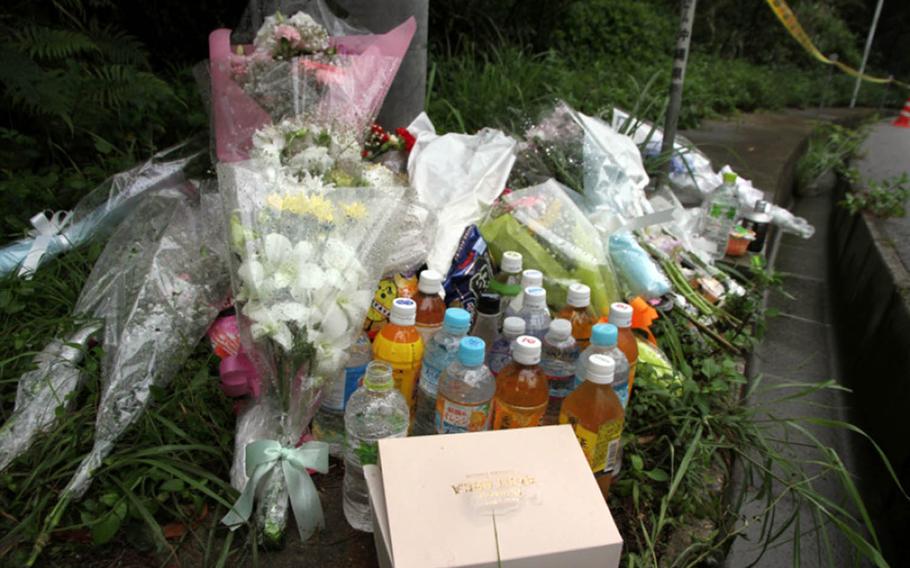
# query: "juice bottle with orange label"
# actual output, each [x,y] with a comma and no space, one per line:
[596,415]
[621,317]
[522,389]
[578,311]
[400,345]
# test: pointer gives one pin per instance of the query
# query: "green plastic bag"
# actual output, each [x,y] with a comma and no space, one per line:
[553,236]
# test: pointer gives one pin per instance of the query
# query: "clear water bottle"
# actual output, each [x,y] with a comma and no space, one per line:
[500,352]
[530,278]
[375,411]
[535,312]
[466,391]
[438,355]
[718,216]
[604,339]
[328,424]
[560,355]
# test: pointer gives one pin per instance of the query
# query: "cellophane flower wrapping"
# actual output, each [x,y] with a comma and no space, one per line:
[295,67]
[553,235]
[100,212]
[164,296]
[306,253]
[57,373]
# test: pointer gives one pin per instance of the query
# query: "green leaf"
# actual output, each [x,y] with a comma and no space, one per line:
[657,474]
[106,528]
[637,462]
[173,486]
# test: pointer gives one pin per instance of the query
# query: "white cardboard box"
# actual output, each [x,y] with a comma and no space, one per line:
[448,501]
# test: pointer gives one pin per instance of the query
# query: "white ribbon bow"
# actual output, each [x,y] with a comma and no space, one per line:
[46,228]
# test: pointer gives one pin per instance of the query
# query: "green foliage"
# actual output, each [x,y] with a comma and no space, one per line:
[886,198]
[831,147]
[626,30]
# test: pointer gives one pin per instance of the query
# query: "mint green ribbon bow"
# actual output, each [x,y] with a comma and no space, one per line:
[261,457]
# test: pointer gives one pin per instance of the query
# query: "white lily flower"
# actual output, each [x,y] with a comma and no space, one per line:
[337,254]
[252,273]
[289,311]
[355,303]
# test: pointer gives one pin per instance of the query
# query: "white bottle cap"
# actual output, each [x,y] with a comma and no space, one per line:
[526,350]
[579,296]
[430,282]
[404,311]
[531,277]
[535,297]
[511,262]
[600,369]
[620,314]
[513,325]
[560,329]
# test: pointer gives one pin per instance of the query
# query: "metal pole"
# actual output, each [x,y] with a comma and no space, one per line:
[680,58]
[862,68]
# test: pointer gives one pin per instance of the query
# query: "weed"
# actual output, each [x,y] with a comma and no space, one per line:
[886,198]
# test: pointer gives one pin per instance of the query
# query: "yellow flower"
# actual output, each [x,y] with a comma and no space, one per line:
[355,210]
[297,204]
[321,208]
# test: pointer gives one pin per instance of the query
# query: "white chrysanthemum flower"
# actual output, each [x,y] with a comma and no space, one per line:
[377,175]
[314,160]
[268,143]
[313,37]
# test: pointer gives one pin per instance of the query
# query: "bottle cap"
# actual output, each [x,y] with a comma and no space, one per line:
[531,277]
[378,376]
[620,314]
[471,351]
[404,311]
[430,282]
[600,369]
[510,262]
[579,296]
[513,326]
[604,334]
[729,177]
[526,350]
[488,303]
[560,329]
[535,297]
[457,320]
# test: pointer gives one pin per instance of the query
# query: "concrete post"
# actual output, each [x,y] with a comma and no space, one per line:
[406,97]
[862,68]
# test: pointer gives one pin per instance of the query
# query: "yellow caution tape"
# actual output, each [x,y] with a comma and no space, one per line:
[788,19]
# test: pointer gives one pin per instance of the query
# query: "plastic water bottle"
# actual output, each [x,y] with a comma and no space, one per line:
[500,353]
[530,278]
[376,410]
[604,338]
[328,424]
[466,391]
[487,318]
[535,312]
[718,217]
[560,355]
[507,282]
[438,355]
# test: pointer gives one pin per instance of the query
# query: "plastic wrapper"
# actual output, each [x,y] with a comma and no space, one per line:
[98,213]
[164,296]
[470,273]
[258,10]
[413,241]
[458,177]
[554,236]
[747,195]
[635,267]
[304,266]
[344,86]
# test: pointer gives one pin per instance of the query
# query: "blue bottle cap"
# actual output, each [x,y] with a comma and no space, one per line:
[471,351]
[457,320]
[604,334]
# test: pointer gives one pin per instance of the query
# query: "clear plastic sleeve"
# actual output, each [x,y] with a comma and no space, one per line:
[98,213]
[554,236]
[304,265]
[163,298]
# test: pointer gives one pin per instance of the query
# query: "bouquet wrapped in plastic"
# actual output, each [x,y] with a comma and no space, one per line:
[294,67]
[554,236]
[306,252]
[98,213]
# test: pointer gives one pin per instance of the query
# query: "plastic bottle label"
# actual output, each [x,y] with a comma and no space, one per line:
[365,451]
[499,357]
[454,418]
[622,391]
[338,393]
[405,361]
[506,416]
[429,378]
[507,290]
[601,448]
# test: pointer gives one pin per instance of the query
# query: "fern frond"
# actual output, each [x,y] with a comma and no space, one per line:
[117,46]
[118,86]
[41,42]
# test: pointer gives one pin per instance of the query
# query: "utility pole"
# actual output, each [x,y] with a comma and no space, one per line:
[680,58]
[862,68]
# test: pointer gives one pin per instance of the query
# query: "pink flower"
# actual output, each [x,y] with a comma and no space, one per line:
[288,33]
[325,73]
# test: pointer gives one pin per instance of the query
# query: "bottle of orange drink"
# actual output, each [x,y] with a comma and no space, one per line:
[400,345]
[522,390]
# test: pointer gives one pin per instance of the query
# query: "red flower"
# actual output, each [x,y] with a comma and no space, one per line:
[365,153]
[384,138]
[407,137]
